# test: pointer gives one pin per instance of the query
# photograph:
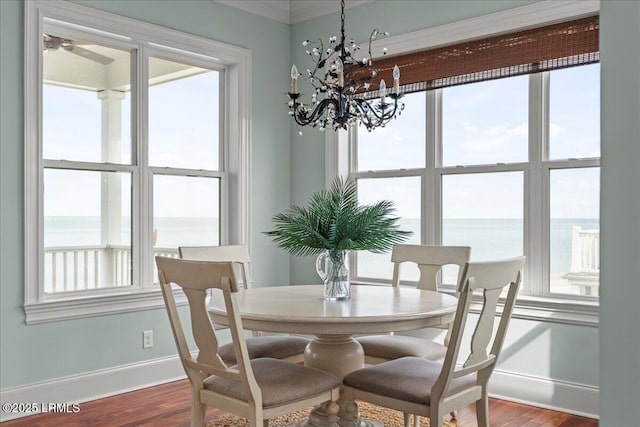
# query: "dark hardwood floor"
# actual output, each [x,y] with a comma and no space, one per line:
[168,405]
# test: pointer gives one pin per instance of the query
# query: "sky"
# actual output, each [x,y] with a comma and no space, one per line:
[183,133]
[483,123]
[487,123]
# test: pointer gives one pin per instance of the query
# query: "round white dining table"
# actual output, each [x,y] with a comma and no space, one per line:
[302,309]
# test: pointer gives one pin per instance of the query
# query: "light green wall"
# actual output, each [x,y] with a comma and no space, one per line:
[40,352]
[620,213]
[544,350]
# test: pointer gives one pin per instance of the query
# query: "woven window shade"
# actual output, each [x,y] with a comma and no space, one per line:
[540,49]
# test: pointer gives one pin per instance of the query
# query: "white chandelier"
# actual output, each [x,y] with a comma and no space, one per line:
[338,100]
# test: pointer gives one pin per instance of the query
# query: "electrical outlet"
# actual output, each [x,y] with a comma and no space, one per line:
[147,339]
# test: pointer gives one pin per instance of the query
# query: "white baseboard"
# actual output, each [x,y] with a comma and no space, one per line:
[561,396]
[93,385]
[573,398]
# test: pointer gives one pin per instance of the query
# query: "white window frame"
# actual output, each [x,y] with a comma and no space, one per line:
[539,304]
[235,142]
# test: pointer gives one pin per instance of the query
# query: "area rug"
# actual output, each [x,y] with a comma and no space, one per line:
[388,417]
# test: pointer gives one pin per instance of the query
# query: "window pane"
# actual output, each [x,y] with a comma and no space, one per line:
[574,112]
[574,240]
[184,122]
[87,231]
[485,212]
[400,144]
[405,193]
[186,212]
[486,122]
[85,111]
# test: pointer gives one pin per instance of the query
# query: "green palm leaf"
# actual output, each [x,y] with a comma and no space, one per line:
[334,220]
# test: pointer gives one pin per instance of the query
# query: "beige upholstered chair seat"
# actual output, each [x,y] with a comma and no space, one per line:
[277,347]
[392,347]
[409,379]
[279,382]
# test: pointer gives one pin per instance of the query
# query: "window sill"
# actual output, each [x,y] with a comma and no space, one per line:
[554,310]
[53,311]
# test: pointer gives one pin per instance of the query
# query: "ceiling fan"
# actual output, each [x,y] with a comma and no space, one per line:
[51,42]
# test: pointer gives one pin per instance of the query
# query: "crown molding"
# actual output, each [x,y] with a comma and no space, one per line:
[291,12]
[303,10]
[273,9]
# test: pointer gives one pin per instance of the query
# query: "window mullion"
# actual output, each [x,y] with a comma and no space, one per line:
[432,181]
[184,172]
[536,218]
[224,215]
[143,196]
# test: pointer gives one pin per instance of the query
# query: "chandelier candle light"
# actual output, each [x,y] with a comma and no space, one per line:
[343,86]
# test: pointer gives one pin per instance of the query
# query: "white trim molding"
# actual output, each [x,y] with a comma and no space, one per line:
[557,395]
[93,385]
[234,63]
[336,154]
[291,12]
[97,306]
[563,396]
[552,310]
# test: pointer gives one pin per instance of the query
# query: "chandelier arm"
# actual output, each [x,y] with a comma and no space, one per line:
[303,118]
[370,54]
[377,115]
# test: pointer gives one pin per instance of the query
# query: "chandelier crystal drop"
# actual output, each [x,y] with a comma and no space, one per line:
[339,81]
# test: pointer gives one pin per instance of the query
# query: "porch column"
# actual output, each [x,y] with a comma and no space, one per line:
[111,186]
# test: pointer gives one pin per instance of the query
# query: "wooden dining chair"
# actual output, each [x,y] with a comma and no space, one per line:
[423,387]
[257,389]
[286,347]
[429,260]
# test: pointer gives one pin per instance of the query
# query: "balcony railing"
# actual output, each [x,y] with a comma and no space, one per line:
[584,273]
[74,268]
[585,251]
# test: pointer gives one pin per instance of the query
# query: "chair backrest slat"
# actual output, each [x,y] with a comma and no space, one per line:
[237,254]
[491,278]
[430,260]
[176,324]
[484,327]
[195,278]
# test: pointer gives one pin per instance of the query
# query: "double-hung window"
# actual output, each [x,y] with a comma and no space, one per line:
[508,166]
[132,134]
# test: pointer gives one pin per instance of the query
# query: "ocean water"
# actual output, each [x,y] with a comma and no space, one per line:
[488,238]
[172,232]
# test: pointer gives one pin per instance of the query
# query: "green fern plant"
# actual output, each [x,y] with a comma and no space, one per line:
[333,220]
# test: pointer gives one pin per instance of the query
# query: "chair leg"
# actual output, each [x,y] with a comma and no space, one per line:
[198,410]
[435,417]
[482,409]
[416,421]
[407,419]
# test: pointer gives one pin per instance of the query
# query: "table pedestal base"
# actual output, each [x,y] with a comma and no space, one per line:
[348,416]
[340,355]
